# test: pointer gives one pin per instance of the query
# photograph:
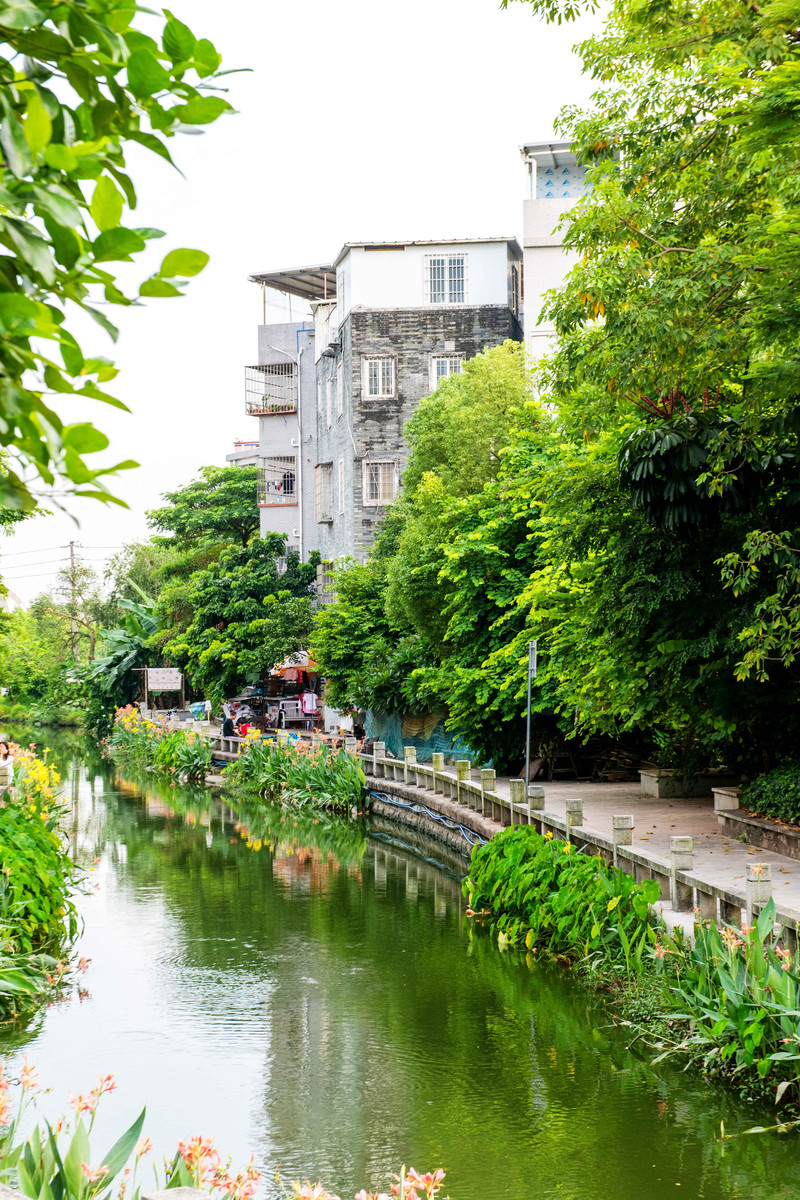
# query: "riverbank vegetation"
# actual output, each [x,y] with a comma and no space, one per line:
[38,921]
[298,773]
[729,1002]
[141,744]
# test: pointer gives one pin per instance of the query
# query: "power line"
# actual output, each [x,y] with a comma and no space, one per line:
[40,550]
[28,566]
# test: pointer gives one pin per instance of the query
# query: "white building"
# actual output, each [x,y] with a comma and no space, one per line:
[556,182]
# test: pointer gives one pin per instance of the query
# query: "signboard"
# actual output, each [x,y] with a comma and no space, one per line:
[164,679]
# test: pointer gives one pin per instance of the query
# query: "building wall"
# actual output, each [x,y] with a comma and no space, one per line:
[395,278]
[285,435]
[371,429]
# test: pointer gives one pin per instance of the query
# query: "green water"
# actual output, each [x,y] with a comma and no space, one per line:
[317,1000]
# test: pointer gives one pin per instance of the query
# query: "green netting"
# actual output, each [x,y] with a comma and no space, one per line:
[427,732]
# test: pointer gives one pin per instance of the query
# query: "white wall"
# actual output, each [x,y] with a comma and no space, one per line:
[396,278]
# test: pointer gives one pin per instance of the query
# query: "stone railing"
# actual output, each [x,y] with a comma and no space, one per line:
[681,886]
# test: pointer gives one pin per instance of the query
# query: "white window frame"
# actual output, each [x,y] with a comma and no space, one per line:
[340,389]
[446,290]
[341,485]
[323,492]
[392,472]
[328,404]
[381,361]
[455,367]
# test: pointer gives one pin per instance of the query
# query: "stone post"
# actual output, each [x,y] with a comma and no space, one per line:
[535,805]
[488,784]
[437,758]
[517,789]
[378,753]
[681,853]
[410,763]
[622,835]
[350,744]
[758,889]
[463,773]
[574,815]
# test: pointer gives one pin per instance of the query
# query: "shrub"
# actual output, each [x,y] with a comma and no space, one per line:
[776,794]
[547,894]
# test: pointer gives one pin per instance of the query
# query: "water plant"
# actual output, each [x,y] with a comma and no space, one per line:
[298,772]
[56,1160]
[138,742]
[740,994]
[542,893]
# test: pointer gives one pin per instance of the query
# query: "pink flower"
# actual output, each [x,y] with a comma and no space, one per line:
[82,1104]
[27,1076]
[93,1173]
[83,964]
[143,1146]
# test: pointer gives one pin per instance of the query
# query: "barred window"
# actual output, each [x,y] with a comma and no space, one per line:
[443,365]
[277,480]
[271,388]
[379,482]
[446,278]
[323,479]
[379,377]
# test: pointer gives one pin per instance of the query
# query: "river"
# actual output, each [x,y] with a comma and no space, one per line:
[314,996]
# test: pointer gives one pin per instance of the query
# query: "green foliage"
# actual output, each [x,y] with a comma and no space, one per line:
[80,83]
[114,678]
[246,615]
[36,873]
[545,894]
[741,994]
[776,794]
[297,772]
[141,744]
[219,507]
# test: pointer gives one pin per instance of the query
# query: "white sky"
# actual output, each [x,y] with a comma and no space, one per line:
[359,120]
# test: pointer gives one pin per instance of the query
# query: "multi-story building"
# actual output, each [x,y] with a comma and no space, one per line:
[391,319]
[244,454]
[280,391]
[556,182]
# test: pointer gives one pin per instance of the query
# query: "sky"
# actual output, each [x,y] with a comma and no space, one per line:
[355,121]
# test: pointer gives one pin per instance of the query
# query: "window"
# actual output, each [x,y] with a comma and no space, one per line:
[340,389]
[341,485]
[379,377]
[341,298]
[514,288]
[277,481]
[443,365]
[328,404]
[446,278]
[323,479]
[378,482]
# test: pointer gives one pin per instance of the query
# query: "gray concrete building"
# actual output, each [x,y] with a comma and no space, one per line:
[390,321]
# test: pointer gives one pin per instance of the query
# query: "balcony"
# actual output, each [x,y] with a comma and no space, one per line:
[270,388]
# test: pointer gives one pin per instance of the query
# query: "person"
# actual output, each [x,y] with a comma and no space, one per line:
[6,764]
[227,728]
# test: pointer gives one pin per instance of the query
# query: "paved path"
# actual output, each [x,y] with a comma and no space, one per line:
[718,858]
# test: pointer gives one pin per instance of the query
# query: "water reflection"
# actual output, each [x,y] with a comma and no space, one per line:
[311,993]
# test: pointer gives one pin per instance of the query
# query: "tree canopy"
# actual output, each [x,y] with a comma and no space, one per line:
[220,506]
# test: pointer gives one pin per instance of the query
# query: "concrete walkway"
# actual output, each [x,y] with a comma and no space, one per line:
[719,859]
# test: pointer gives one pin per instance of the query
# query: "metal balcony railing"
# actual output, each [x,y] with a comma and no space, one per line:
[270,388]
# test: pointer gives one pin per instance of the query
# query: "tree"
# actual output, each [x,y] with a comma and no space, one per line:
[246,615]
[219,507]
[80,81]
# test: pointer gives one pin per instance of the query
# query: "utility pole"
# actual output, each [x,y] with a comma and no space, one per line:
[72,603]
[532,654]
